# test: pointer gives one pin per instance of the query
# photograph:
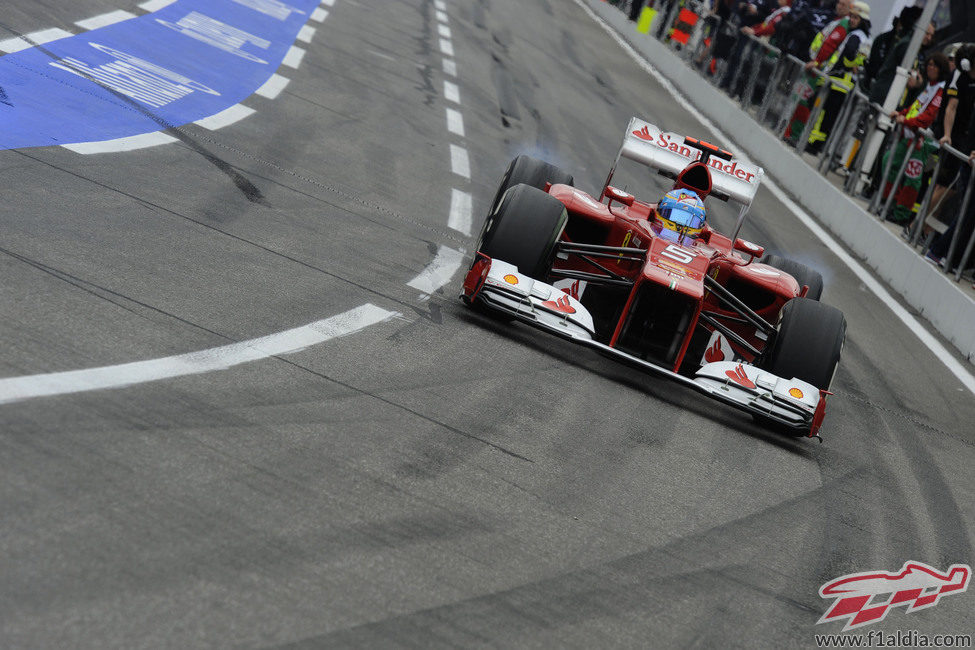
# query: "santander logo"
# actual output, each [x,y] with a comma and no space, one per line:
[739,376]
[644,134]
[562,304]
[714,352]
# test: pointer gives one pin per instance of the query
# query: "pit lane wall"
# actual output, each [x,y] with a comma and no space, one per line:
[934,295]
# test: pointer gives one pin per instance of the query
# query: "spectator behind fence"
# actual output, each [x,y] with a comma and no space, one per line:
[919,115]
[842,66]
[880,49]
[824,44]
[750,14]
[963,224]
[956,114]
[888,69]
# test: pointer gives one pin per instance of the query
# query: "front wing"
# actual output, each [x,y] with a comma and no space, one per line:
[499,286]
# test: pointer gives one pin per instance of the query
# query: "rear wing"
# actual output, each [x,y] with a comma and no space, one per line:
[670,153]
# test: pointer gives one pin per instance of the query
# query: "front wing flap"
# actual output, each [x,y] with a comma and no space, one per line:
[498,285]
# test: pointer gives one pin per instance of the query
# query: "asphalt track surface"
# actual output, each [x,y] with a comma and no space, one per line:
[436,478]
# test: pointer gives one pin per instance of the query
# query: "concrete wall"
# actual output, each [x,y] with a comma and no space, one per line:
[937,297]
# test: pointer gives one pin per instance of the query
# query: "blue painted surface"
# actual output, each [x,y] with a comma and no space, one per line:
[168,76]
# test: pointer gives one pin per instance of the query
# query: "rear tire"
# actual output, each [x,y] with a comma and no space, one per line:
[524,230]
[802,273]
[808,343]
[530,171]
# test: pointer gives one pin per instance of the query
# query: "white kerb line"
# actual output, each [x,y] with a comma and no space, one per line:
[450,67]
[451,92]
[460,212]
[446,48]
[14,389]
[328,3]
[946,357]
[27,40]
[460,164]
[455,122]
[294,56]
[103,20]
[130,143]
[226,117]
[155,5]
[439,272]
[440,4]
[444,31]
[273,86]
[306,33]
[441,16]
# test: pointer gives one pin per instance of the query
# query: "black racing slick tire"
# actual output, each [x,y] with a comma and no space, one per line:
[530,171]
[524,230]
[802,273]
[808,342]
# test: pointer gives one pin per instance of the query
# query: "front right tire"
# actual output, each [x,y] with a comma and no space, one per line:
[524,230]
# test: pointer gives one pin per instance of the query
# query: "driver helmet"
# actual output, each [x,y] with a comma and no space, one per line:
[680,214]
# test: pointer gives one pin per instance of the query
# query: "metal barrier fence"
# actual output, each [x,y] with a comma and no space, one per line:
[771,87]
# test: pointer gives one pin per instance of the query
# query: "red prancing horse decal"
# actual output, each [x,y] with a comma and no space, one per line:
[714,352]
[563,305]
[643,134]
[739,377]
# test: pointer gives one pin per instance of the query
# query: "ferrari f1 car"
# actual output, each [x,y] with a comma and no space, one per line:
[654,286]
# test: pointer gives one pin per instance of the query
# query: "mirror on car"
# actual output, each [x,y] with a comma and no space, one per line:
[619,195]
[749,248]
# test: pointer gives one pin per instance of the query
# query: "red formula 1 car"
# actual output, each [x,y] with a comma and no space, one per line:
[654,285]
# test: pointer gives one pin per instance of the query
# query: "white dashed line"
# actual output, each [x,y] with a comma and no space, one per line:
[440,4]
[449,67]
[28,40]
[319,15]
[444,31]
[155,5]
[273,86]
[130,143]
[460,212]
[446,48]
[306,33]
[450,92]
[460,164]
[294,56]
[15,389]
[225,117]
[455,122]
[439,271]
[328,3]
[441,16]
[103,20]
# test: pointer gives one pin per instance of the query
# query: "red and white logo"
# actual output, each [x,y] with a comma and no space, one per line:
[574,288]
[563,304]
[739,376]
[719,349]
[643,134]
[914,168]
[865,598]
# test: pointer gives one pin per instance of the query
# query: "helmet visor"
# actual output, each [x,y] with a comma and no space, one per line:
[684,218]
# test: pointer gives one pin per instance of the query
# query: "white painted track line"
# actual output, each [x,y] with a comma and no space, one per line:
[155,5]
[460,212]
[441,16]
[328,3]
[440,4]
[446,48]
[450,67]
[460,164]
[319,15]
[273,86]
[40,37]
[306,33]
[439,272]
[444,31]
[450,92]
[294,56]
[103,20]
[225,117]
[920,330]
[14,389]
[455,122]
[130,143]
